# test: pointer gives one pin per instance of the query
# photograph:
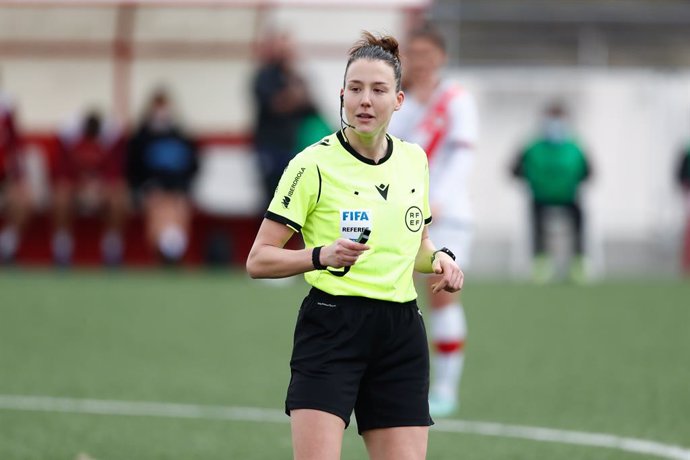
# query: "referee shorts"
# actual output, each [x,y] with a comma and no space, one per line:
[363,354]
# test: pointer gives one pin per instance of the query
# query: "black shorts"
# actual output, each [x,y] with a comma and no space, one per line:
[357,353]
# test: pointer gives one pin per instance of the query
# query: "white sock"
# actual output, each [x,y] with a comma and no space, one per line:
[172,242]
[9,242]
[112,246]
[63,246]
[448,334]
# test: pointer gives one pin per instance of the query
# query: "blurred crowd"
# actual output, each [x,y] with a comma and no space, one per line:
[102,168]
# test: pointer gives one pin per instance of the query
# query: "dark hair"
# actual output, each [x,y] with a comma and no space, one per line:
[428,32]
[556,109]
[382,48]
[91,124]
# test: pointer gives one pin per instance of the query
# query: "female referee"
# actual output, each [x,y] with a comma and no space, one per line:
[359,340]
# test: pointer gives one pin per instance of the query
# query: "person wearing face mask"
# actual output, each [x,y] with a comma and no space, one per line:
[554,166]
[282,103]
[162,162]
[89,178]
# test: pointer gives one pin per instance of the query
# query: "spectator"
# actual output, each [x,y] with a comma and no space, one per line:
[441,116]
[14,189]
[684,180]
[162,162]
[554,166]
[89,178]
[282,101]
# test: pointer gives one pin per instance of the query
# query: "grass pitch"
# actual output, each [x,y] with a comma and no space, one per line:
[609,358]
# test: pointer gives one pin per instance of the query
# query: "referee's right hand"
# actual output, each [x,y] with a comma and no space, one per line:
[342,253]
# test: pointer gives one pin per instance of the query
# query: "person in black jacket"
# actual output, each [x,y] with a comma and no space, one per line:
[684,180]
[282,102]
[162,163]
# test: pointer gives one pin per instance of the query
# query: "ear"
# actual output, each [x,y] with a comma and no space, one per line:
[400,98]
[342,94]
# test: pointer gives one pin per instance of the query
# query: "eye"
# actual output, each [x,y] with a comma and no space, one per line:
[355,89]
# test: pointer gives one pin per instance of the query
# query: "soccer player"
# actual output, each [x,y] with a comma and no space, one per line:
[162,162]
[359,341]
[554,165]
[89,177]
[441,116]
[13,185]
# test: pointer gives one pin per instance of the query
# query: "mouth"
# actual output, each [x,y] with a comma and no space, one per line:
[364,116]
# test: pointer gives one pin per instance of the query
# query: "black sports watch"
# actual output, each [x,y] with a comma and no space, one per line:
[444,250]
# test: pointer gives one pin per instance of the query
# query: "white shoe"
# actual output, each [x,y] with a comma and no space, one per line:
[440,406]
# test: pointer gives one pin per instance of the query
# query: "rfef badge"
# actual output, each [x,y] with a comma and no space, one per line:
[354,221]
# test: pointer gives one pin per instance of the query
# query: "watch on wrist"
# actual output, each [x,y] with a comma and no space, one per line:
[444,250]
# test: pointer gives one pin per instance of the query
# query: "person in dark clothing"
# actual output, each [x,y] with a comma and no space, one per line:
[282,102]
[162,163]
[683,176]
[554,166]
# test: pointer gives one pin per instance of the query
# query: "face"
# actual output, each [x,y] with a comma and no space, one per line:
[423,59]
[370,95]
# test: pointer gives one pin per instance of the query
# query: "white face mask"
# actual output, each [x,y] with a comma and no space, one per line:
[555,129]
[161,119]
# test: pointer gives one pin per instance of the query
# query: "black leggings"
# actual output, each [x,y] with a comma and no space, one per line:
[539,214]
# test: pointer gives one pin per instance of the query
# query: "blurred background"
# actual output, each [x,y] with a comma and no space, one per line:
[130,138]
[620,67]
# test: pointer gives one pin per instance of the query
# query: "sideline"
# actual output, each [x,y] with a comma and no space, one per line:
[255,414]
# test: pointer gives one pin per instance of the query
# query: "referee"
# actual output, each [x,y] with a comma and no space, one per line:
[359,341]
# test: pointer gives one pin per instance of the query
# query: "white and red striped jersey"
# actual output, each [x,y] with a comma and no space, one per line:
[447,129]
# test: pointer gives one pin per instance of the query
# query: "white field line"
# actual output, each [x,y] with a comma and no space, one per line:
[254,414]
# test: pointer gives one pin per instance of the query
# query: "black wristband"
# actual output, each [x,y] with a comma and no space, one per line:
[316,258]
[444,250]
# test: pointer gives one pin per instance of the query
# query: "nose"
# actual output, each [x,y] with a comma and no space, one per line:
[366,99]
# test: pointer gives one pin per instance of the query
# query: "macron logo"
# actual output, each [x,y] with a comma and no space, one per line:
[383,191]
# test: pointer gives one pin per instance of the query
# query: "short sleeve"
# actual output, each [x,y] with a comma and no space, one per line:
[427,208]
[296,194]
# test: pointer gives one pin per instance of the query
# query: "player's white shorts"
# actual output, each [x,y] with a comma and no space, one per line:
[455,236]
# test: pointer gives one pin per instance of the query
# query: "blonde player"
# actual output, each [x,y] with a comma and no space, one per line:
[441,117]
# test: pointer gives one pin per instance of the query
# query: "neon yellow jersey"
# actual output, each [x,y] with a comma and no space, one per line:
[330,191]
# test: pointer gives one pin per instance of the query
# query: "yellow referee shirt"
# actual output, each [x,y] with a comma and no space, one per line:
[330,191]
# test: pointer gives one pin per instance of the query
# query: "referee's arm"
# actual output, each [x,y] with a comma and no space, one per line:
[422,262]
[451,277]
[269,259]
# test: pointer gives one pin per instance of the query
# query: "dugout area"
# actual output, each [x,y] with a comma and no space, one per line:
[59,58]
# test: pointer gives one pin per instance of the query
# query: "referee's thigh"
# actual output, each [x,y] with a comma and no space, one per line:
[394,390]
[329,357]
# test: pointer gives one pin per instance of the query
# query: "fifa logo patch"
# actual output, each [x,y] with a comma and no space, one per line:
[354,221]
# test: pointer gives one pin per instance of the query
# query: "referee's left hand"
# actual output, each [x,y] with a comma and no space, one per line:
[451,279]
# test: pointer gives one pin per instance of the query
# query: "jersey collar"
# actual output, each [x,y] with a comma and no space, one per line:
[346,145]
